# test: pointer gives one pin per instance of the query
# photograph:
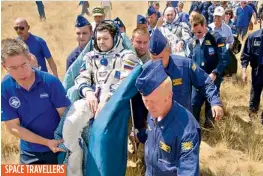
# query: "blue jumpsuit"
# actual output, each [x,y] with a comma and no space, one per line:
[253,54]
[213,57]
[172,146]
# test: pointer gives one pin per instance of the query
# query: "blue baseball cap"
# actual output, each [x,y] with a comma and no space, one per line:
[119,22]
[81,21]
[141,19]
[151,10]
[157,42]
[151,77]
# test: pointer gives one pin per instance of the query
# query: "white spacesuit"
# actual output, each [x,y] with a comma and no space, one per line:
[176,33]
[101,72]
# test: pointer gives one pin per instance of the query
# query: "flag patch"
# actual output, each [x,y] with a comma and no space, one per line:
[187,146]
[221,45]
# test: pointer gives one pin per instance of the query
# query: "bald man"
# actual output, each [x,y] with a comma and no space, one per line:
[173,134]
[36,45]
[177,33]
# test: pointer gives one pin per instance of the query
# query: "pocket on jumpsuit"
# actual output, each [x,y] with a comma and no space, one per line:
[167,167]
[166,154]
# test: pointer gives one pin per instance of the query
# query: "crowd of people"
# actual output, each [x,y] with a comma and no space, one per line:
[184,58]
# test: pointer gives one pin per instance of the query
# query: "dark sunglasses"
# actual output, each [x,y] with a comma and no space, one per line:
[227,13]
[21,28]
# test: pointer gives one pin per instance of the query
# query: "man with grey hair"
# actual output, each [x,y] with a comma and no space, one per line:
[177,33]
[223,29]
[32,103]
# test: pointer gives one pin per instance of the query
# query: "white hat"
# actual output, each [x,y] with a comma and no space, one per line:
[219,11]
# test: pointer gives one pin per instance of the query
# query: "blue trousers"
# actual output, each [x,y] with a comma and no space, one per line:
[40,8]
[256,89]
[242,31]
[198,99]
[38,157]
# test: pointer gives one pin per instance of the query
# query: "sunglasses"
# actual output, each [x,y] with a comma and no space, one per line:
[227,13]
[21,28]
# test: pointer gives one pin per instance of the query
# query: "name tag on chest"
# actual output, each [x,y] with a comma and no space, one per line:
[257,43]
[211,51]
[44,95]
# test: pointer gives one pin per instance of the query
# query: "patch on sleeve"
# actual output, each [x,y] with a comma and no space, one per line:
[117,75]
[221,45]
[128,64]
[207,42]
[177,81]
[193,67]
[186,146]
[165,147]
[83,67]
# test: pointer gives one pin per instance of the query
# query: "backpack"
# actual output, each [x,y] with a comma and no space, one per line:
[232,66]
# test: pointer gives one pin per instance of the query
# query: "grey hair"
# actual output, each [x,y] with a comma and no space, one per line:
[12,47]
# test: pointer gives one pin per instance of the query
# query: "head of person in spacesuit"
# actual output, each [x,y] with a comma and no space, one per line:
[106,35]
[169,14]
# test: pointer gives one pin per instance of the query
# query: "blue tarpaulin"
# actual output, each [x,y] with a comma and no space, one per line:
[107,148]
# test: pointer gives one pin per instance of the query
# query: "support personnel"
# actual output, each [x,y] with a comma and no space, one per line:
[152,18]
[210,53]
[83,30]
[184,74]
[253,54]
[32,102]
[140,41]
[173,134]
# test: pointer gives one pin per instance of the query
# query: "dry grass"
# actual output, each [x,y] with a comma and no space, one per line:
[233,148]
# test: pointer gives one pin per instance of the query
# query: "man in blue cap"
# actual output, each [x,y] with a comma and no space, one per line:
[83,30]
[173,134]
[208,50]
[184,74]
[141,21]
[120,24]
[152,18]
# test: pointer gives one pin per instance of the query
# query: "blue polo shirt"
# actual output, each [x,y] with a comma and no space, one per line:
[39,48]
[35,108]
[244,16]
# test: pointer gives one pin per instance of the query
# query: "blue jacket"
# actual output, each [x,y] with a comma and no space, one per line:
[172,146]
[212,55]
[204,8]
[73,56]
[185,74]
[252,52]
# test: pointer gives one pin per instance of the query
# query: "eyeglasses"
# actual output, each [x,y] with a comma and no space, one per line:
[15,68]
[38,68]
[227,13]
[21,28]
